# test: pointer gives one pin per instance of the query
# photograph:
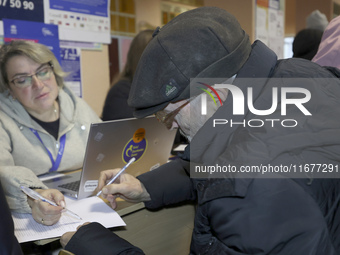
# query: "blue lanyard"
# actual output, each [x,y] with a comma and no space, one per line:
[56,163]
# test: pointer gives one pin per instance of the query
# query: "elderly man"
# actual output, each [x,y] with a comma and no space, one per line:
[249,162]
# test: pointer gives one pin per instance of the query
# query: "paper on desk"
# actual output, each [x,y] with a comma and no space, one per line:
[92,209]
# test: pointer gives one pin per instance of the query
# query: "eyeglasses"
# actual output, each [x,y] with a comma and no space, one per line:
[43,74]
[168,118]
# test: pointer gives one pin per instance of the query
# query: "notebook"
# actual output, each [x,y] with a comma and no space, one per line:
[111,144]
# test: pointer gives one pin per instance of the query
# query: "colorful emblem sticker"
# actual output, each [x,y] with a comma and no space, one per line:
[136,147]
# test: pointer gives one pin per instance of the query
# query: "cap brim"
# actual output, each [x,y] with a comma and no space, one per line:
[144,112]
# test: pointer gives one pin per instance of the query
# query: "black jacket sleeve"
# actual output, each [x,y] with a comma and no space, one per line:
[96,239]
[9,243]
[169,184]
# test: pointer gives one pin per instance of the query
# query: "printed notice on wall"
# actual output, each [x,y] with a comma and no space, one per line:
[270,24]
[20,10]
[46,34]
[70,63]
[30,10]
[80,20]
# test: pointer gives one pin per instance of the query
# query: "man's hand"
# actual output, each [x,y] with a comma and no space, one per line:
[43,212]
[126,186]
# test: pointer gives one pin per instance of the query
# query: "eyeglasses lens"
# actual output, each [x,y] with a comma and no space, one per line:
[25,81]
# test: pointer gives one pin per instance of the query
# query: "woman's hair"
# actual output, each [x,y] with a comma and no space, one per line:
[136,49]
[39,53]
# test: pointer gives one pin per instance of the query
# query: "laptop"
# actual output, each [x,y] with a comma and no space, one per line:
[111,144]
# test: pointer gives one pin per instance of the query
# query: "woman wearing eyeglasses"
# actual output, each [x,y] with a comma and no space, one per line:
[43,127]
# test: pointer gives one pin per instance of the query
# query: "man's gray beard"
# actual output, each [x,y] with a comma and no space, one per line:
[193,122]
[193,127]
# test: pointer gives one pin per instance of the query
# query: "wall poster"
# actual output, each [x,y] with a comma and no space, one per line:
[269,24]
[80,20]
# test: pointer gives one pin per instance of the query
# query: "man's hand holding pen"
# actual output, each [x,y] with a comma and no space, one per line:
[126,186]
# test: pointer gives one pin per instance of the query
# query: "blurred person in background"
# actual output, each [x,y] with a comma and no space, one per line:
[307,41]
[116,106]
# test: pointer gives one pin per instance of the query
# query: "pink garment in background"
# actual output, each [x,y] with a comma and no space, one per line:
[329,49]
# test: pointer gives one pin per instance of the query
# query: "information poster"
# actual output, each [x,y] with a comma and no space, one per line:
[276,28]
[79,20]
[270,24]
[46,34]
[32,10]
[70,63]
[262,21]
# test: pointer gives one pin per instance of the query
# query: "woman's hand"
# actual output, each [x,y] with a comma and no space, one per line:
[43,212]
[126,186]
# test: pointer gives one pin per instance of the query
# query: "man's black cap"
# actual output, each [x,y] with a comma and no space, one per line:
[206,42]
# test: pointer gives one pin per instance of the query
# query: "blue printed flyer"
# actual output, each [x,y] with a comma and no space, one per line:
[71,63]
[46,34]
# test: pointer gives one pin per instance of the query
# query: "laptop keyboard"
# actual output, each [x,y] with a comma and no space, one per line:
[71,185]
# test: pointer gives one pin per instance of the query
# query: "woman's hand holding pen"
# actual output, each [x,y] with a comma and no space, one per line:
[43,212]
[126,186]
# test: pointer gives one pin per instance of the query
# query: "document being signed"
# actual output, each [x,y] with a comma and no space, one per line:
[92,209]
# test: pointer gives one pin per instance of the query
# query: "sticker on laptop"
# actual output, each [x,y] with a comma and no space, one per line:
[136,147]
[100,157]
[90,185]
[99,136]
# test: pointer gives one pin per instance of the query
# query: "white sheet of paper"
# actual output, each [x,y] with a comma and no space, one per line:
[92,209]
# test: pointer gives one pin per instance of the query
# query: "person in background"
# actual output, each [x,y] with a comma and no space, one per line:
[43,127]
[306,43]
[316,20]
[328,53]
[115,106]
[238,211]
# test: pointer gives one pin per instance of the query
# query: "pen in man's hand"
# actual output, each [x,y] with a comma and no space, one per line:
[36,196]
[119,173]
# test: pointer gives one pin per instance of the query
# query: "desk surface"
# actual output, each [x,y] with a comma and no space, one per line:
[124,208]
[167,231]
